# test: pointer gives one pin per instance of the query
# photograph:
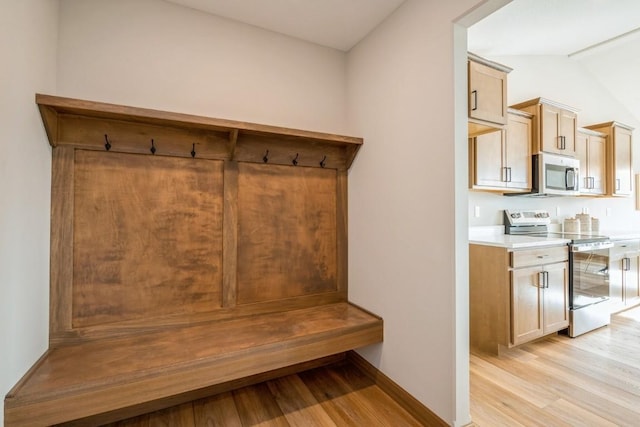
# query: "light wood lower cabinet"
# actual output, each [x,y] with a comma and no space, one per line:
[516,296]
[624,274]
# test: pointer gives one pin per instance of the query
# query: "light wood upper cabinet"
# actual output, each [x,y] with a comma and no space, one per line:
[501,160]
[487,95]
[554,126]
[516,296]
[619,157]
[591,150]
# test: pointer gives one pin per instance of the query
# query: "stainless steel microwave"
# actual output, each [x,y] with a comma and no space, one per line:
[555,175]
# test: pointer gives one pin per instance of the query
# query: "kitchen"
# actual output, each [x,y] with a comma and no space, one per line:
[572,80]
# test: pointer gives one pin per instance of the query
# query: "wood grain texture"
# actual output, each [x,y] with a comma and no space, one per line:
[412,405]
[286,232]
[147,237]
[593,379]
[102,376]
[82,124]
[61,269]
[338,395]
[230,235]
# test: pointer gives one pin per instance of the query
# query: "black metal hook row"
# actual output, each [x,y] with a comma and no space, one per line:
[153,149]
[295,162]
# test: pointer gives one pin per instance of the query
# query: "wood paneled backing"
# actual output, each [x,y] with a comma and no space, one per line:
[287,243]
[84,123]
[283,150]
[147,236]
[102,376]
[133,137]
[144,326]
[61,268]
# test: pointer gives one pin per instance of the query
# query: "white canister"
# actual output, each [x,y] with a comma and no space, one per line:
[571,225]
[595,224]
[585,222]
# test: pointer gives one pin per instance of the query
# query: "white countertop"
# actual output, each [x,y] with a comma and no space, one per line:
[621,234]
[494,236]
[510,241]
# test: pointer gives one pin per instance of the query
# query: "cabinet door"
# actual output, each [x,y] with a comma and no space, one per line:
[518,152]
[550,129]
[557,130]
[526,305]
[623,175]
[487,93]
[631,281]
[597,164]
[488,158]
[567,130]
[582,148]
[616,274]
[556,298]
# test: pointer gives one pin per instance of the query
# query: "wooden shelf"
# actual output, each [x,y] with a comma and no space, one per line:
[98,376]
[130,129]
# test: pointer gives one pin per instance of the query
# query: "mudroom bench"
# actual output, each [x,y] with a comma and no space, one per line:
[189,256]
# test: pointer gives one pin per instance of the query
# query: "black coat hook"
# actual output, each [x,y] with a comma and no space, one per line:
[107,145]
[295,160]
[323,162]
[193,150]
[266,157]
[153,148]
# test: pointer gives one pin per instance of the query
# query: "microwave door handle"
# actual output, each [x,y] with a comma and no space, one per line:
[570,178]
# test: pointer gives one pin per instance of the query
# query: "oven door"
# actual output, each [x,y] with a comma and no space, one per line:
[588,288]
[589,277]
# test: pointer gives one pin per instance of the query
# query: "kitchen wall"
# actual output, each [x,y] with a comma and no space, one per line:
[567,81]
[155,54]
[28,36]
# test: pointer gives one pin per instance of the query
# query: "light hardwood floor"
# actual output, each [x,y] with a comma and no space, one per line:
[337,395]
[591,380]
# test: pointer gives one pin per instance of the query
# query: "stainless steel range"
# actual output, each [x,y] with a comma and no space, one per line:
[588,268]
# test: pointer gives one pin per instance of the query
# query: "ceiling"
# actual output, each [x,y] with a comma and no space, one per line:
[339,24]
[595,32]
[552,27]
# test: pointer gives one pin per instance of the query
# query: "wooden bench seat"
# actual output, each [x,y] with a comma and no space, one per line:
[83,379]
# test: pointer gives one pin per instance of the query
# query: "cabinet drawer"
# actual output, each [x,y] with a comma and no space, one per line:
[539,256]
[625,248]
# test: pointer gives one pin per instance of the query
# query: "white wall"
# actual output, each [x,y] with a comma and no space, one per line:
[567,81]
[155,54]
[28,36]
[402,251]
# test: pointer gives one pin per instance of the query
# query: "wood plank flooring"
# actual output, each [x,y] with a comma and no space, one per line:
[335,395]
[591,380]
